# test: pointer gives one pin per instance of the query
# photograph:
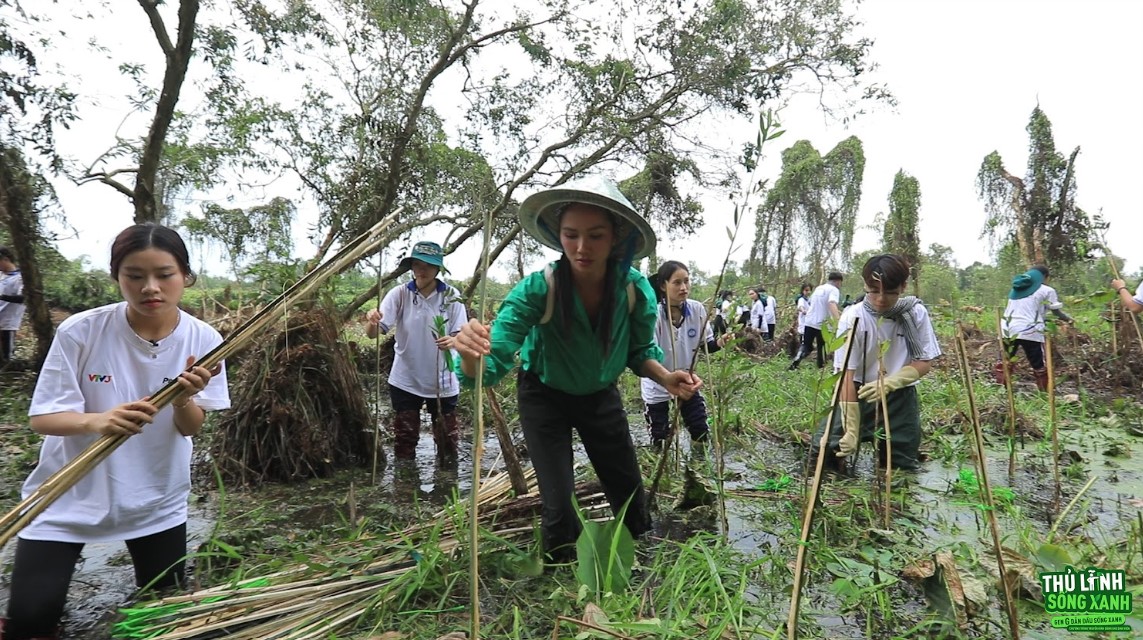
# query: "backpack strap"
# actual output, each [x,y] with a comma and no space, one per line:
[550,304]
[550,300]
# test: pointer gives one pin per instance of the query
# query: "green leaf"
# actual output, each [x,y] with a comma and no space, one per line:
[1053,558]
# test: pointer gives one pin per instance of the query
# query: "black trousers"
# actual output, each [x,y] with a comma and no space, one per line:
[768,335]
[404,401]
[812,337]
[7,345]
[1034,350]
[547,417]
[42,572]
[693,412]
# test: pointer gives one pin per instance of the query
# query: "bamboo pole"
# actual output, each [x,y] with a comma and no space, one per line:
[1011,395]
[1052,420]
[888,439]
[55,486]
[977,437]
[477,452]
[815,490]
[1114,329]
[377,376]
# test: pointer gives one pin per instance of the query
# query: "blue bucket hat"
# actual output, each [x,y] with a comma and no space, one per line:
[1026,284]
[427,252]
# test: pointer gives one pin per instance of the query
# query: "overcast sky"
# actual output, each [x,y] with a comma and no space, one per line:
[966,74]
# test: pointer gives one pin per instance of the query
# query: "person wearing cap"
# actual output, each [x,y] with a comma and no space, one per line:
[1134,304]
[1023,322]
[576,325]
[11,303]
[420,376]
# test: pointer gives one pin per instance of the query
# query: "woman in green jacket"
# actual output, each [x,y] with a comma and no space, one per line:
[577,324]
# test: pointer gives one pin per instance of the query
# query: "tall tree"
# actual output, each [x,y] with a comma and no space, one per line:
[21,192]
[901,234]
[400,106]
[1038,212]
[148,153]
[808,219]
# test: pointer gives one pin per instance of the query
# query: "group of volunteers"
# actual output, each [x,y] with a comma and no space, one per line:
[569,331]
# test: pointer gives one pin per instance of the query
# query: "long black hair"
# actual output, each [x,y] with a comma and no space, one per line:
[660,278]
[565,289]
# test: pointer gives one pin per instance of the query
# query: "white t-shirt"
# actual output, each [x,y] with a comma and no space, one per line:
[686,341]
[1023,319]
[1139,293]
[872,331]
[11,284]
[819,304]
[803,307]
[97,362]
[770,314]
[418,365]
[758,315]
[724,309]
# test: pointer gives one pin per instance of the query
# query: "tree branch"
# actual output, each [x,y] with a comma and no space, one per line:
[177,59]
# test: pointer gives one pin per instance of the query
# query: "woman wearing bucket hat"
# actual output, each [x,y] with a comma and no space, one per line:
[1023,322]
[577,325]
[420,375]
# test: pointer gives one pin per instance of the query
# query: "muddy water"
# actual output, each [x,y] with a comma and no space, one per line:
[104,580]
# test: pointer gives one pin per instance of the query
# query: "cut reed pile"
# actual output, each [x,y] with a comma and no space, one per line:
[328,594]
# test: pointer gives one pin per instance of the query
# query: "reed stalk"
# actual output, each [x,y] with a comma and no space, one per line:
[477,453]
[1052,420]
[59,483]
[1011,394]
[976,435]
[815,490]
[888,509]
[1115,273]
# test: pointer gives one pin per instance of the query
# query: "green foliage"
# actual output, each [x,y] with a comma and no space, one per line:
[807,222]
[1038,212]
[901,234]
[605,554]
[261,232]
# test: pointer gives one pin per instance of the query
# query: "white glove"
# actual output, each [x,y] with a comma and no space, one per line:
[871,391]
[851,424]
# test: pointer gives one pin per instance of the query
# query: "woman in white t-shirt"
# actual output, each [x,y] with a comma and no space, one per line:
[893,331]
[686,319]
[102,367]
[421,375]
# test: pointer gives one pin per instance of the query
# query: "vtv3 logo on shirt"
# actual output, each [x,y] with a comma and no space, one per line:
[99,377]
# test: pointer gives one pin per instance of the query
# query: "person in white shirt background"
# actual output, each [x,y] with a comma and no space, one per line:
[757,322]
[672,283]
[893,331]
[769,314]
[420,376]
[101,369]
[11,303]
[1023,322]
[725,308]
[822,306]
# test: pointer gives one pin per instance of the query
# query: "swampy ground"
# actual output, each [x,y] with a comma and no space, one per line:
[868,574]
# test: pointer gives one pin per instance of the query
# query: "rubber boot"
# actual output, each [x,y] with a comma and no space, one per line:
[406,432]
[446,435]
[1000,374]
[1041,379]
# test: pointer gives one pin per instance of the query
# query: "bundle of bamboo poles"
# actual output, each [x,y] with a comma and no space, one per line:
[59,483]
[318,600]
